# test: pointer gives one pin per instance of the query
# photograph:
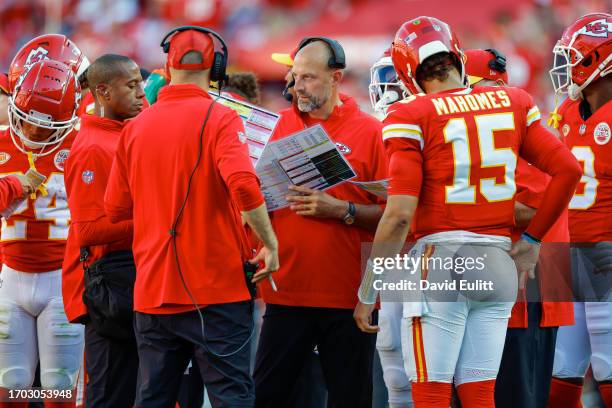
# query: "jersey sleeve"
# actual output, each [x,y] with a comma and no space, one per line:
[87,175]
[404,141]
[402,129]
[10,189]
[118,202]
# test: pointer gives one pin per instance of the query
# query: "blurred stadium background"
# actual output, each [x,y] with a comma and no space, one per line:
[525,30]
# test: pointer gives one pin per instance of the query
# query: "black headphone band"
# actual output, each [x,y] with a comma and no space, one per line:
[219,64]
[165,43]
[499,63]
[337,59]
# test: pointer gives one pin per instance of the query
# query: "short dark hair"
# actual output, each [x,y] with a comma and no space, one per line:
[104,69]
[244,84]
[192,57]
[437,66]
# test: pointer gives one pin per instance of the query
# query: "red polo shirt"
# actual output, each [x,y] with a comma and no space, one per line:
[157,153]
[86,176]
[554,264]
[320,259]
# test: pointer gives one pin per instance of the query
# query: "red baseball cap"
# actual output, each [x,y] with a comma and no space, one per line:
[477,67]
[285,59]
[191,40]
[4,84]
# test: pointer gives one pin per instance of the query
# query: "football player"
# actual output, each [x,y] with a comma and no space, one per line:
[453,154]
[385,89]
[583,62]
[33,324]
[526,368]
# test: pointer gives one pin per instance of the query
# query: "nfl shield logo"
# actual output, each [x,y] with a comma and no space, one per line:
[88,176]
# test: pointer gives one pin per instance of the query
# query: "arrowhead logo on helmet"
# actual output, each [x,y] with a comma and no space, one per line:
[47,98]
[583,54]
[48,46]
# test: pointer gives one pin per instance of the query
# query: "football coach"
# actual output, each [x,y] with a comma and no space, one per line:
[320,236]
[183,174]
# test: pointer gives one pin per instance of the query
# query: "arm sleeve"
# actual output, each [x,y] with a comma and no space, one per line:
[406,172]
[548,154]
[244,191]
[118,198]
[404,142]
[102,232]
[10,189]
[231,153]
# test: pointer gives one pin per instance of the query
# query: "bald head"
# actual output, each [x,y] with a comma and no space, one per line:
[107,68]
[315,54]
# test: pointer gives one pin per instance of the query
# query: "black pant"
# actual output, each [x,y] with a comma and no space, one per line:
[112,370]
[289,334]
[526,368]
[166,343]
[191,392]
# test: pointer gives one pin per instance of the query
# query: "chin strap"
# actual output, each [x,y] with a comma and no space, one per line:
[42,188]
[555,117]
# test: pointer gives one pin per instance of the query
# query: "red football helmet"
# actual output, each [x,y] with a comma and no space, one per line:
[583,54]
[417,40]
[48,46]
[47,96]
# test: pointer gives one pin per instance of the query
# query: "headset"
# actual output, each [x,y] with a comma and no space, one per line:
[337,60]
[499,63]
[219,65]
[287,93]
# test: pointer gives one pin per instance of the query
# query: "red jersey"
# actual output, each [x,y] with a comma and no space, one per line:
[155,156]
[320,259]
[34,236]
[468,141]
[590,142]
[87,172]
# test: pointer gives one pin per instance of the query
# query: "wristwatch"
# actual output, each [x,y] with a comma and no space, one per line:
[349,217]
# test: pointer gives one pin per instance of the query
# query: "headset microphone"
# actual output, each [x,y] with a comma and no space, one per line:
[286,93]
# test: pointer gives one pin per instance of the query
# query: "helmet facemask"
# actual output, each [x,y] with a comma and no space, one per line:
[17,117]
[385,87]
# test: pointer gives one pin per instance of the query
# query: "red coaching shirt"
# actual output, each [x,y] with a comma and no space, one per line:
[34,236]
[156,154]
[87,172]
[320,259]
[591,143]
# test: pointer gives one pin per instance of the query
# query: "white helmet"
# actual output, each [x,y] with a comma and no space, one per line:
[385,87]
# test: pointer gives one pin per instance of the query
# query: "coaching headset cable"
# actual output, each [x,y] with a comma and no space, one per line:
[172,233]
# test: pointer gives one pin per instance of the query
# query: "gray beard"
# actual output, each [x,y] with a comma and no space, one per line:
[312,104]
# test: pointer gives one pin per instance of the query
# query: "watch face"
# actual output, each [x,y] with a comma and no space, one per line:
[349,220]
